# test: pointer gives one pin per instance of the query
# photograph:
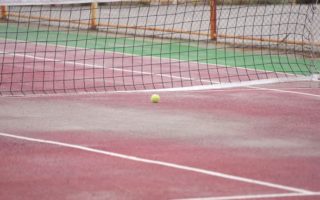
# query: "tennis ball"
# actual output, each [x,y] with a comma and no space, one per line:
[155,98]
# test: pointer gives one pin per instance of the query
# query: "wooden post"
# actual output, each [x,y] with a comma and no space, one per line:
[213,19]
[4,12]
[94,10]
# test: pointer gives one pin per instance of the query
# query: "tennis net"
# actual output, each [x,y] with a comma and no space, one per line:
[49,47]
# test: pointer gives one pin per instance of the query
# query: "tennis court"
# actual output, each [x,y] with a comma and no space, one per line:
[235,121]
[233,144]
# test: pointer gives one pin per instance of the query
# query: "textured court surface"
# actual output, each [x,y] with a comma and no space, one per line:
[247,143]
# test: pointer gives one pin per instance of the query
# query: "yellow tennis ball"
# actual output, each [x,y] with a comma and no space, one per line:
[155,98]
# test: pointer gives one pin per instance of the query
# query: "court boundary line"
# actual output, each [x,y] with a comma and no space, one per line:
[257,196]
[161,163]
[285,91]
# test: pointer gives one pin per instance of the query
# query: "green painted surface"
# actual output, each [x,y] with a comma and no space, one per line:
[165,49]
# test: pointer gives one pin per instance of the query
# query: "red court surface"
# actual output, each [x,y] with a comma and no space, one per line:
[242,143]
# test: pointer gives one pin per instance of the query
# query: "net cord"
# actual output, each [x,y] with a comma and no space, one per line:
[49,2]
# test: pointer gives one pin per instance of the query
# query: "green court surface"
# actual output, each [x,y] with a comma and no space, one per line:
[163,48]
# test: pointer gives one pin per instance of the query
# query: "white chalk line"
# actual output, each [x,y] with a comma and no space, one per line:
[161,163]
[257,196]
[286,91]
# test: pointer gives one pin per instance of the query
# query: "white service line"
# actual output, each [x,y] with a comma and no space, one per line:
[285,91]
[161,163]
[257,196]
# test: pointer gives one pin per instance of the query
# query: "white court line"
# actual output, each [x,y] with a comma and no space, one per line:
[258,196]
[161,163]
[285,91]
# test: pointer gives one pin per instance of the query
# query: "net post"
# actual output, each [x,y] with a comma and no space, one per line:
[213,20]
[4,12]
[93,11]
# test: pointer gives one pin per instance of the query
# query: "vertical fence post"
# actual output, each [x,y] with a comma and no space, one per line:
[213,19]
[4,12]
[93,11]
